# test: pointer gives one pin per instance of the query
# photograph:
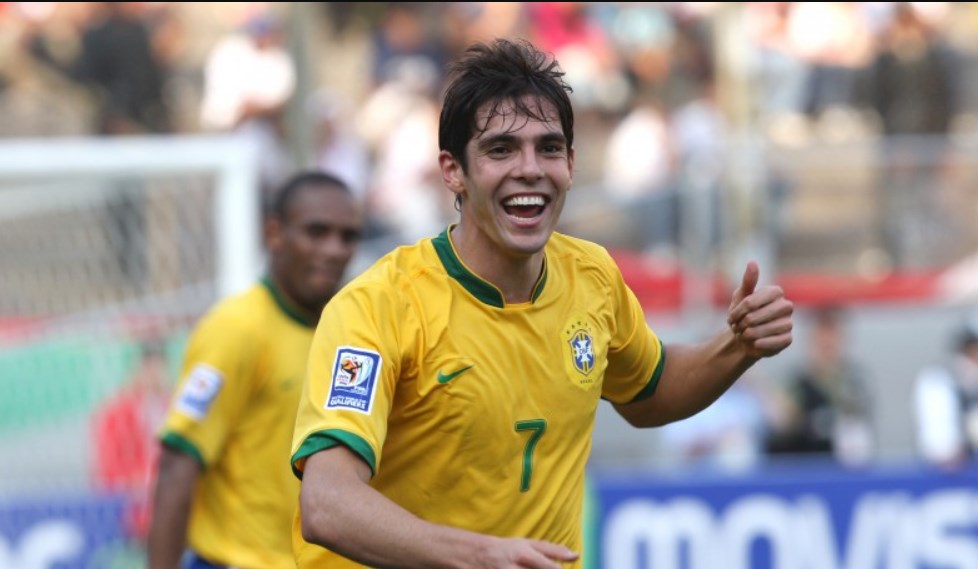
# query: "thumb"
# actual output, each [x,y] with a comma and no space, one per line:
[751,275]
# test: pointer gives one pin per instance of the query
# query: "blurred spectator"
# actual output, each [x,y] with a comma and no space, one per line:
[638,176]
[911,79]
[701,141]
[727,435]
[834,40]
[826,408]
[777,67]
[570,31]
[946,403]
[339,149]
[249,77]
[911,86]
[638,158]
[124,436]
[463,23]
[404,42]
[116,58]
[398,122]
[40,96]
[691,60]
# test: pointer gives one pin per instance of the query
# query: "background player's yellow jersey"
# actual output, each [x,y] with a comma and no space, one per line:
[471,412]
[245,360]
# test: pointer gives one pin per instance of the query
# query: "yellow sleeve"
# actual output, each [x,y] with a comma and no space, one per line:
[635,354]
[216,380]
[351,376]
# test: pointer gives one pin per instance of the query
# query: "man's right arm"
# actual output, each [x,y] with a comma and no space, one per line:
[174,493]
[342,512]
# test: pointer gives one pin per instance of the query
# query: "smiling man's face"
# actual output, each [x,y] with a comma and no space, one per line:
[519,171]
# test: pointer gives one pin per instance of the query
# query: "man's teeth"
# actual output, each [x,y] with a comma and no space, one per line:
[525,201]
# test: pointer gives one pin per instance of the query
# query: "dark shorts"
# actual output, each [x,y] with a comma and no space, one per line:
[191,560]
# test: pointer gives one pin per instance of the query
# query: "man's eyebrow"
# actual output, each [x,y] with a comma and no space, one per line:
[507,138]
[501,138]
[553,137]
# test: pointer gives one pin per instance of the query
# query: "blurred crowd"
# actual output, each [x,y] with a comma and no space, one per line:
[659,87]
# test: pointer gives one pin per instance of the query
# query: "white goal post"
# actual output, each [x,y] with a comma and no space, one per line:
[107,243]
[231,159]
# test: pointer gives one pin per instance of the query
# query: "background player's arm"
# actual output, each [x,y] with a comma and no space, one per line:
[174,493]
[343,513]
[694,376]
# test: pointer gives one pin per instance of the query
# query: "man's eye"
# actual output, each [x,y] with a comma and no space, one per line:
[498,150]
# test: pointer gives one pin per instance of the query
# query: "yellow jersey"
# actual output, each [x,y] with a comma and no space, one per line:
[233,411]
[472,412]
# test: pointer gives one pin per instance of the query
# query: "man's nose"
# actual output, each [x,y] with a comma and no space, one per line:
[529,166]
[334,245]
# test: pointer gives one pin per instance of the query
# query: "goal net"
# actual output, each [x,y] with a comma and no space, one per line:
[109,251]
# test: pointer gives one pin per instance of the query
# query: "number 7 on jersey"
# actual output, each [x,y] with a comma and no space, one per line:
[536,428]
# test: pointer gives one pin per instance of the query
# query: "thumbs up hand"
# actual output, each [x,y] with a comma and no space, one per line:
[760,318]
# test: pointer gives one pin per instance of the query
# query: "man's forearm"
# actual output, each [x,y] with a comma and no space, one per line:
[343,513]
[171,509]
[695,375]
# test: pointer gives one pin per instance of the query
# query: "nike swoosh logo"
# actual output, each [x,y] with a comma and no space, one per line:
[445,378]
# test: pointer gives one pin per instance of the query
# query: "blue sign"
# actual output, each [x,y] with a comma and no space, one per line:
[799,516]
[66,532]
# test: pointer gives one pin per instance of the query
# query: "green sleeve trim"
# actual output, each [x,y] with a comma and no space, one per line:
[179,443]
[653,383]
[329,438]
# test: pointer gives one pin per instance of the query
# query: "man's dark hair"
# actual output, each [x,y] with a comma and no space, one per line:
[282,199]
[501,72]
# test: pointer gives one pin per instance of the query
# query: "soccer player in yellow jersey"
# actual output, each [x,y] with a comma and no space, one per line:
[225,494]
[451,389]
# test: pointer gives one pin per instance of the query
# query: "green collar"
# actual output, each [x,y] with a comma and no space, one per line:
[285,305]
[477,287]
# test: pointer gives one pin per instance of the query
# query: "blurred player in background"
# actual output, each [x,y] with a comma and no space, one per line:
[447,412]
[225,494]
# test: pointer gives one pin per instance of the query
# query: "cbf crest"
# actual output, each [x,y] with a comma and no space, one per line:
[580,352]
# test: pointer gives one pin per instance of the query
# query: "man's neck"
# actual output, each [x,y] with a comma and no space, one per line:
[289,305]
[515,277]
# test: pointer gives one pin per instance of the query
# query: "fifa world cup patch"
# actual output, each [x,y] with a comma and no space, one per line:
[199,391]
[355,374]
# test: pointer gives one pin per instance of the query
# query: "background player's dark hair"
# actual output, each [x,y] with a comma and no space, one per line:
[282,198]
[503,71]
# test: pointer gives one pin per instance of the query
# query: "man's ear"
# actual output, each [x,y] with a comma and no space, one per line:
[272,232]
[451,173]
